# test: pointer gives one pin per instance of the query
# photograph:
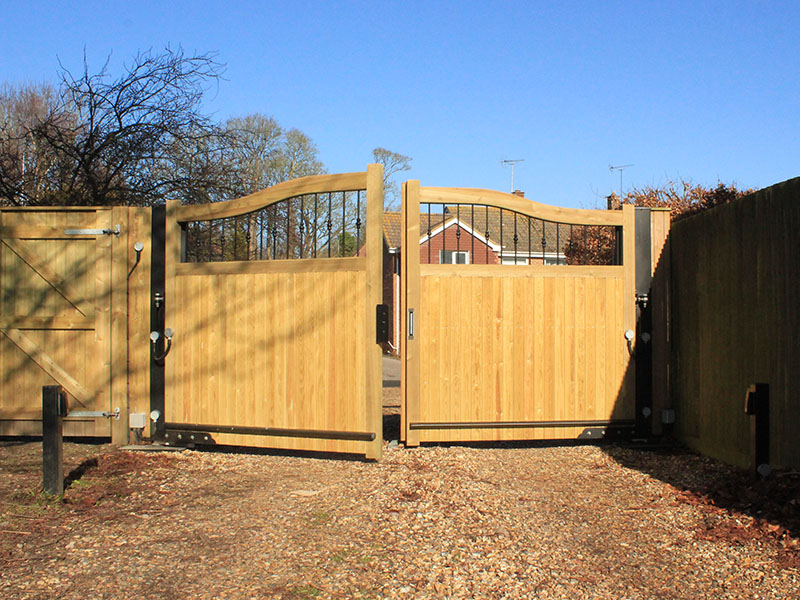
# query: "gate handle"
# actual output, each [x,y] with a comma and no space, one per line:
[154,335]
[411,323]
[629,335]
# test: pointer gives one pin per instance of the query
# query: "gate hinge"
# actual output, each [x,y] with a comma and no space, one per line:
[94,414]
[382,323]
[116,231]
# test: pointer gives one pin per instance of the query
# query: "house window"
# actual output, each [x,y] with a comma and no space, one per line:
[553,260]
[509,260]
[451,257]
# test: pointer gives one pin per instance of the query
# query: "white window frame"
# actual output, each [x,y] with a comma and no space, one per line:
[453,257]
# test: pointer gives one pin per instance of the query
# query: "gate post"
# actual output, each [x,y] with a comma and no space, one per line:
[644,325]
[409,285]
[54,408]
[157,321]
[374,293]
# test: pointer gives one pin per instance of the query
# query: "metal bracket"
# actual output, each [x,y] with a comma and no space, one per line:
[382,323]
[116,231]
[94,414]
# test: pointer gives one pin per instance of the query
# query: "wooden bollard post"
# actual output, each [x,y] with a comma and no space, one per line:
[54,409]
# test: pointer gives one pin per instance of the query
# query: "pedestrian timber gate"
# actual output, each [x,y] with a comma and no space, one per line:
[62,316]
[272,302]
[530,342]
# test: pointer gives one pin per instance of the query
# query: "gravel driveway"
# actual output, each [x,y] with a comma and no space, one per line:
[430,522]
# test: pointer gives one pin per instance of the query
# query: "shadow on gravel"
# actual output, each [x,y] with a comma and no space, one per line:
[773,502]
[249,450]
[80,471]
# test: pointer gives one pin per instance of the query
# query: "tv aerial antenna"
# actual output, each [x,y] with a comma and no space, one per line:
[619,168]
[513,163]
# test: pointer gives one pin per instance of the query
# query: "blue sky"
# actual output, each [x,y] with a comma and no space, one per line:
[704,91]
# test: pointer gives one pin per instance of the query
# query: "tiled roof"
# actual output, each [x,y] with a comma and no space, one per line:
[391,226]
[391,229]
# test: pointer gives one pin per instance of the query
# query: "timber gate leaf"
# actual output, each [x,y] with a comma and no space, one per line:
[272,300]
[515,316]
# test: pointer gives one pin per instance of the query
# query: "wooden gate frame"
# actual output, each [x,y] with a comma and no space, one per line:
[413,195]
[372,181]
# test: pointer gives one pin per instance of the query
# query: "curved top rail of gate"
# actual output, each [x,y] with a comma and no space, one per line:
[519,204]
[313,184]
[478,226]
[319,216]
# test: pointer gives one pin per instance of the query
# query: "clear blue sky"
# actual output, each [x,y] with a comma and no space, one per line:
[705,91]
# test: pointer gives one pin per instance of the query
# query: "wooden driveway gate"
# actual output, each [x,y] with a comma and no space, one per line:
[516,316]
[272,300]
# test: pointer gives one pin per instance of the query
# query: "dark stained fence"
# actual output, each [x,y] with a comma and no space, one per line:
[735,321]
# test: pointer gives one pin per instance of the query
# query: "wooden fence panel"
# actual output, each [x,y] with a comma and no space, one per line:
[734,285]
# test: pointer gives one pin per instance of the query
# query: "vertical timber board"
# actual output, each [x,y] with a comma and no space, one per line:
[411,360]
[101,379]
[374,293]
[119,325]
[138,363]
[173,388]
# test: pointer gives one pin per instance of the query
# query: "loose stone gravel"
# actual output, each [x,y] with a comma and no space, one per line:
[431,522]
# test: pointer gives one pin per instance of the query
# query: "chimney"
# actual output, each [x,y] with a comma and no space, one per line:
[519,193]
[613,201]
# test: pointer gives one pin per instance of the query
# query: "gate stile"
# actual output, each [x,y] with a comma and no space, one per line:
[272,300]
[531,349]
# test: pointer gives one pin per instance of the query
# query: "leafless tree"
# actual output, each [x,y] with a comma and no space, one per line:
[392,163]
[27,165]
[126,128]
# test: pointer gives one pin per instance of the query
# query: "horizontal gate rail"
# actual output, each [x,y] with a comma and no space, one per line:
[522,424]
[320,434]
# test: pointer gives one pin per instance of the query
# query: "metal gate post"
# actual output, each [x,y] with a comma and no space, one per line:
[644,325]
[157,289]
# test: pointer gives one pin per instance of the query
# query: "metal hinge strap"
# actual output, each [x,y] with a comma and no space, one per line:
[94,414]
[116,231]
